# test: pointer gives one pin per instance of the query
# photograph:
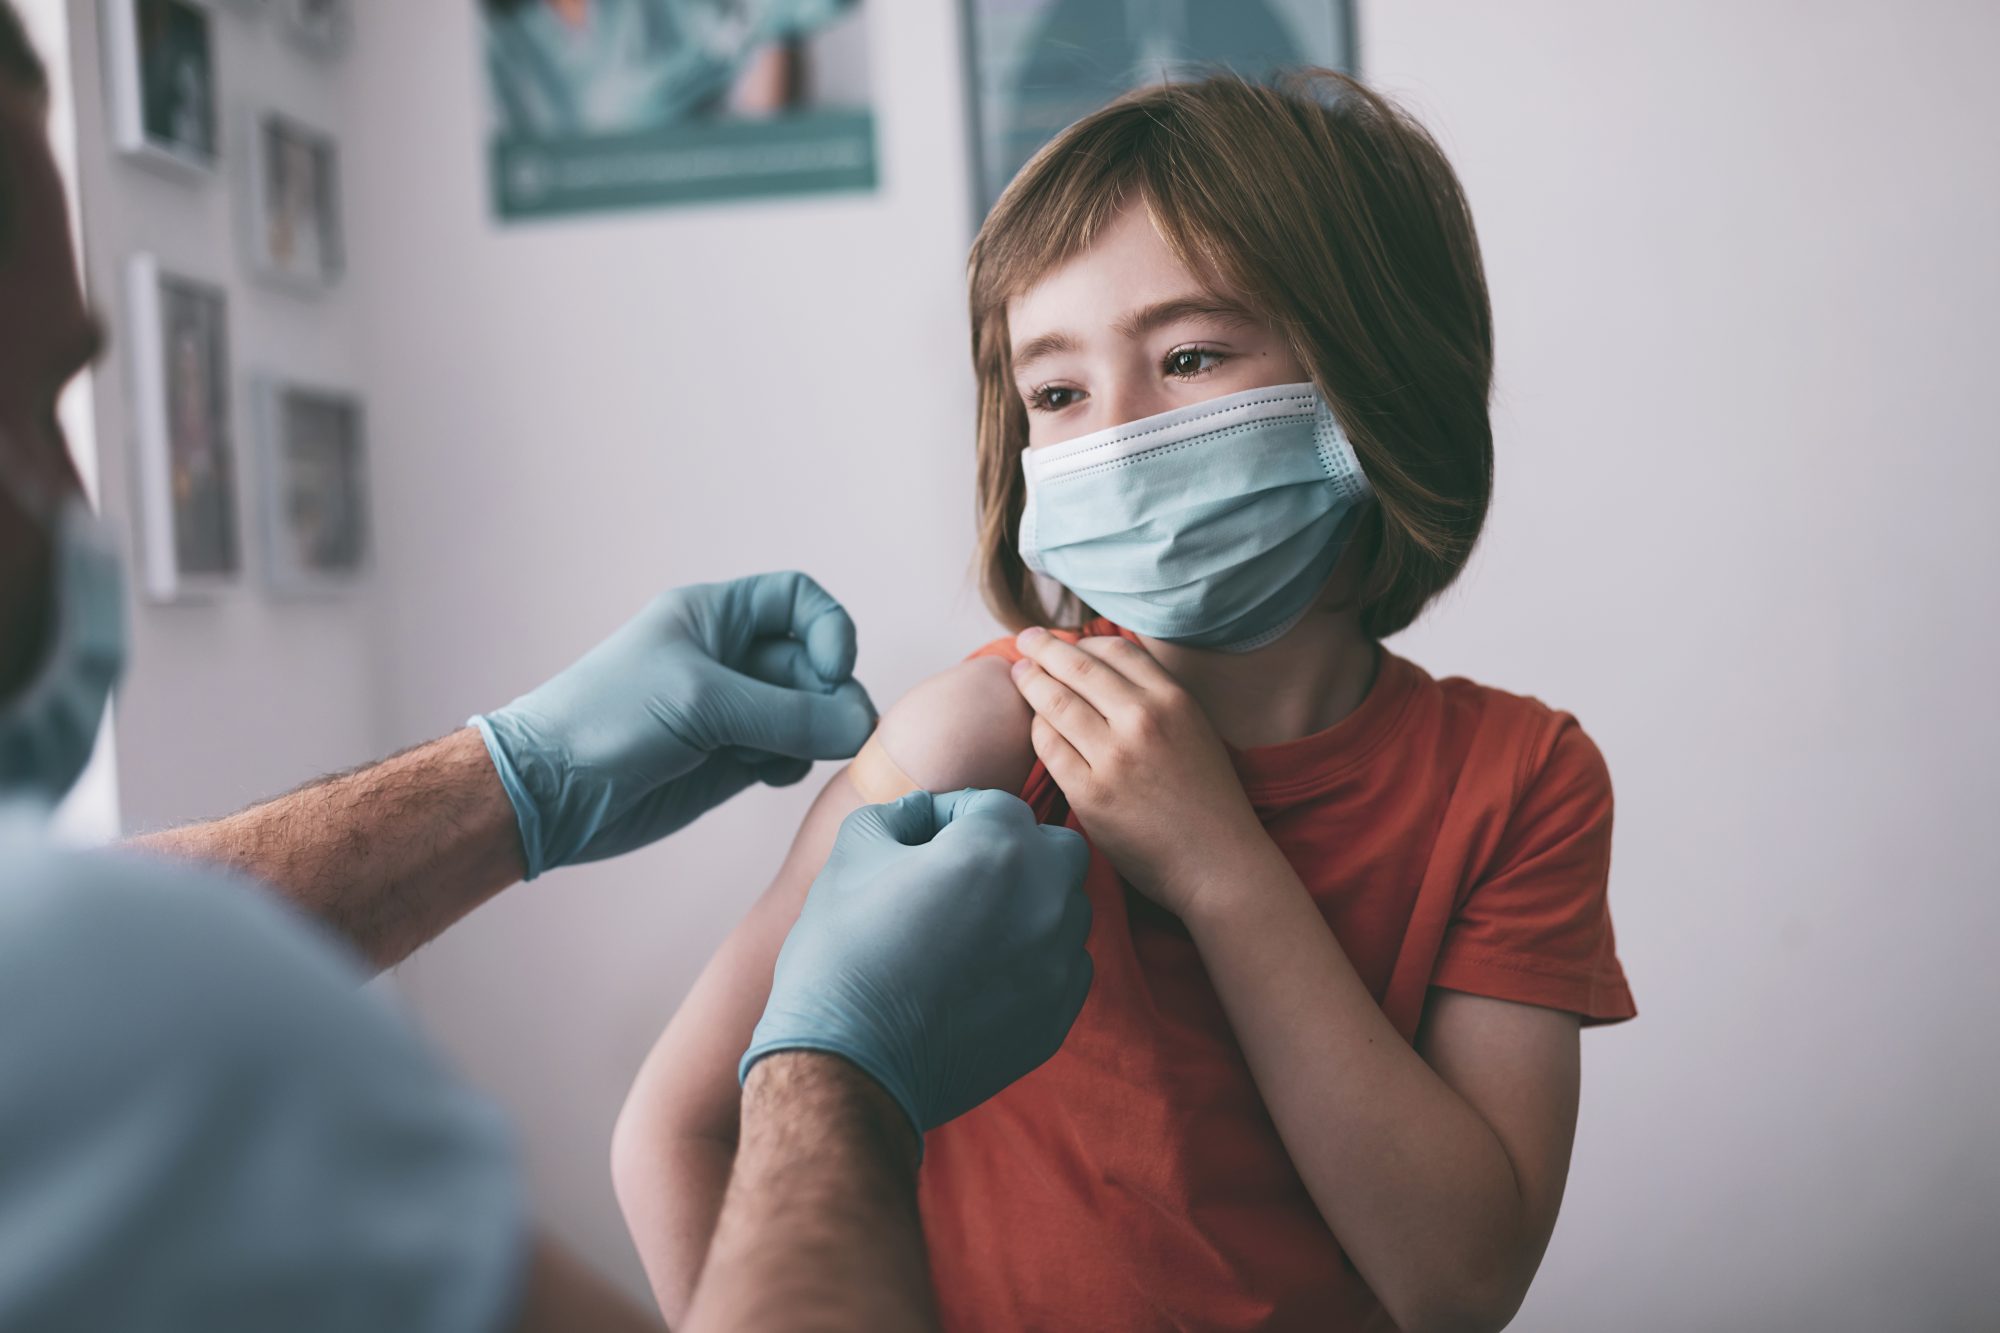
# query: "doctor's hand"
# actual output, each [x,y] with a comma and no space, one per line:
[707,690]
[941,950]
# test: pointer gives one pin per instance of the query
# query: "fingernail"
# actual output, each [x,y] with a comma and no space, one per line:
[1019,669]
[1030,636]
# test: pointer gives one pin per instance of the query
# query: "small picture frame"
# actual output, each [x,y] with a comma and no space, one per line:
[161,80]
[177,332]
[292,208]
[313,457]
[321,27]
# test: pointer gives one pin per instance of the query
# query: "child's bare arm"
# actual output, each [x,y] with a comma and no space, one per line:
[676,1137]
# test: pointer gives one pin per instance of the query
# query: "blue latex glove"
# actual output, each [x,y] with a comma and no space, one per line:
[709,689]
[940,949]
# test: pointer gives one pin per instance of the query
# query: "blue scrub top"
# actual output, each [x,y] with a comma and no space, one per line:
[206,1124]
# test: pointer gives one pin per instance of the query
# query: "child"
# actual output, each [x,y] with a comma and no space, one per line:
[1234,351]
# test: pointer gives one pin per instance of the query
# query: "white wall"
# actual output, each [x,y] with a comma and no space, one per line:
[238,697]
[569,416]
[1744,268]
[1743,262]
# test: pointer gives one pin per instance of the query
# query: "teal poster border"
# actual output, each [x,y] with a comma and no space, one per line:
[806,153]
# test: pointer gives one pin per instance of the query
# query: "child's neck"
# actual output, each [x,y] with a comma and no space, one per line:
[1314,676]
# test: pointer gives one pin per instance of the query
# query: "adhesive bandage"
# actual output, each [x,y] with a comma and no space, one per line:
[875,775]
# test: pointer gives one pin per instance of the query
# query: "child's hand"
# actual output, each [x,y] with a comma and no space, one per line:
[1142,767]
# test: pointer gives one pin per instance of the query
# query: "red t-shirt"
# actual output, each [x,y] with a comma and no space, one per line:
[1452,835]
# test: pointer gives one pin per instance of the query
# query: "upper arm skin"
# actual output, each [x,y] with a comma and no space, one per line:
[676,1137]
[1518,1067]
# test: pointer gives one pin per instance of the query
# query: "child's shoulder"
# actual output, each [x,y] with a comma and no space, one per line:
[966,726]
[1536,738]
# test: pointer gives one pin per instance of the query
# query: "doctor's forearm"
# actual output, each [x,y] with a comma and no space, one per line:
[388,855]
[820,1230]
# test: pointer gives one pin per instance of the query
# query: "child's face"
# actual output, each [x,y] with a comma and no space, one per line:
[1125,331]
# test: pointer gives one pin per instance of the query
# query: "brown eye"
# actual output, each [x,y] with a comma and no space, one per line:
[1053,398]
[1187,362]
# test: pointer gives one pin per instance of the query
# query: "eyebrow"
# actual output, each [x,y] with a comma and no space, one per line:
[1202,305]
[1048,344]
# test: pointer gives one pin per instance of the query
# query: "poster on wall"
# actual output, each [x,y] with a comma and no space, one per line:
[615,104]
[1038,65]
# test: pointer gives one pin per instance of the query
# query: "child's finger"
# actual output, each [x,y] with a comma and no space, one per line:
[1131,661]
[1066,710]
[1065,764]
[1108,692]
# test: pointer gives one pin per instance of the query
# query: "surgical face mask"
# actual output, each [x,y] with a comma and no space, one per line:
[1214,525]
[47,728]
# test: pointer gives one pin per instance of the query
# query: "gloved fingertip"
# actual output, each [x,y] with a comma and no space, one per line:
[906,820]
[1071,846]
[785,663]
[988,803]
[832,645]
[846,722]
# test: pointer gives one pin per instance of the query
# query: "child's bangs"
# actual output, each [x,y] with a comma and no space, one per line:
[1077,186]
[1053,212]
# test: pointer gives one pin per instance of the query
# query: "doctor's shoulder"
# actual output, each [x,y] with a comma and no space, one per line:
[144,930]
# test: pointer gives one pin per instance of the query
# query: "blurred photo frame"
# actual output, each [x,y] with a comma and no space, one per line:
[312,456]
[320,27]
[160,79]
[176,332]
[292,213]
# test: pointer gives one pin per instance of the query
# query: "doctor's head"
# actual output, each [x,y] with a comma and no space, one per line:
[1199,239]
[46,337]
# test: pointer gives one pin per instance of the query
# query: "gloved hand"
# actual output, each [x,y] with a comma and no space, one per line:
[941,950]
[707,690]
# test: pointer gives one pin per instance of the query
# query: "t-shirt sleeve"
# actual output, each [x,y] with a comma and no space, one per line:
[1003,649]
[1536,929]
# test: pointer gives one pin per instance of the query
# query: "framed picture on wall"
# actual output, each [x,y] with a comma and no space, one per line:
[160,74]
[293,206]
[314,498]
[177,335]
[1038,65]
[319,26]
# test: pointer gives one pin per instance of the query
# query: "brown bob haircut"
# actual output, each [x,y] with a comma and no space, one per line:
[1336,218]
